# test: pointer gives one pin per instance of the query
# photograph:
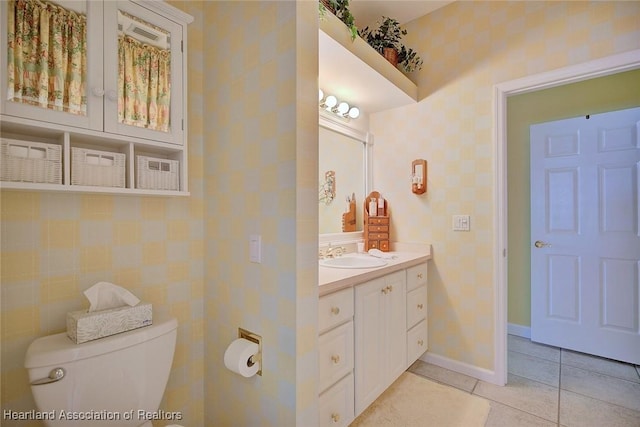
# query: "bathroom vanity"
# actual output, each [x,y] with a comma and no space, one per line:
[372,327]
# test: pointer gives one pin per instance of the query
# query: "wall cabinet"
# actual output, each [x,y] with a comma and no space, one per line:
[380,336]
[133,107]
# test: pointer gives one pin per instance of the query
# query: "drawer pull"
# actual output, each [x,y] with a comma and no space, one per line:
[419,275]
[420,306]
[335,359]
[335,417]
[390,288]
[385,290]
[335,310]
[420,343]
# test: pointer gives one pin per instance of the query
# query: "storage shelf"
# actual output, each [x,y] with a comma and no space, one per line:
[355,72]
[29,186]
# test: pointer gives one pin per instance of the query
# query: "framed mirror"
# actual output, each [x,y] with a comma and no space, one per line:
[344,178]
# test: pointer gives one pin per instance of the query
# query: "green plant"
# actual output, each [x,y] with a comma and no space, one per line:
[340,8]
[389,34]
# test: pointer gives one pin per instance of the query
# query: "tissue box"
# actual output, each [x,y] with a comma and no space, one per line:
[83,326]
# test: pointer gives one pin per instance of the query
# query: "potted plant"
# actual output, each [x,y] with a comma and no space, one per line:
[387,40]
[340,8]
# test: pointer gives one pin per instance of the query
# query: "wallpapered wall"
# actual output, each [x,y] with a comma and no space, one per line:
[467,48]
[261,166]
[615,92]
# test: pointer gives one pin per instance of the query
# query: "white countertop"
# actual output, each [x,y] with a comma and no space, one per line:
[334,279]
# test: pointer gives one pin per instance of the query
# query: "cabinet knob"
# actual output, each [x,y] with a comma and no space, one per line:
[335,359]
[335,310]
[335,417]
[385,290]
[420,306]
[419,275]
[112,95]
[97,91]
[420,343]
[390,288]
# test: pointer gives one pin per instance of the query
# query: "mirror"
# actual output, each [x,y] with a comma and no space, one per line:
[342,176]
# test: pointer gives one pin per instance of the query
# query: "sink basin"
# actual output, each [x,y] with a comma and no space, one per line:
[353,262]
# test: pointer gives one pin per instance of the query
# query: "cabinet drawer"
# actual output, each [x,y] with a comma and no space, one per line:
[378,236]
[335,406]
[383,245]
[378,228]
[416,306]
[416,342]
[416,276]
[335,355]
[379,220]
[334,309]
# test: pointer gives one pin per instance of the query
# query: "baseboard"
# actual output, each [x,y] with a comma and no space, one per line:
[519,330]
[461,367]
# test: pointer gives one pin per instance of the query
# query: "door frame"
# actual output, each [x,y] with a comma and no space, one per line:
[571,74]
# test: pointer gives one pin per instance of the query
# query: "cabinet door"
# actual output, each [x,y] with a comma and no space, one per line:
[395,315]
[144,76]
[55,73]
[369,343]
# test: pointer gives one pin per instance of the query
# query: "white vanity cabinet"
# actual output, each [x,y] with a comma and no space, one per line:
[380,336]
[416,312]
[113,117]
[335,358]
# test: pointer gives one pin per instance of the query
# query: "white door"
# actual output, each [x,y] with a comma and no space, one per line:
[585,242]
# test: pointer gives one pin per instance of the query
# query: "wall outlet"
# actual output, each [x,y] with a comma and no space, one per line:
[461,222]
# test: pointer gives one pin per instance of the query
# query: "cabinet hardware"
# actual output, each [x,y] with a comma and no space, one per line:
[335,359]
[335,310]
[419,275]
[420,306]
[420,342]
[335,417]
[390,288]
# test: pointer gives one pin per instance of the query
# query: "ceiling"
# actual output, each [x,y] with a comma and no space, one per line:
[367,12]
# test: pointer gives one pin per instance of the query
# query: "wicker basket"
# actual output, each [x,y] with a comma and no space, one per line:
[27,161]
[97,168]
[157,174]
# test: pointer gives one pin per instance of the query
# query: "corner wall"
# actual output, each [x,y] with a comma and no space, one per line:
[469,47]
[260,178]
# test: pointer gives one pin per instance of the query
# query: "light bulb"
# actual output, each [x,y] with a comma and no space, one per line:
[331,101]
[354,112]
[343,108]
[320,94]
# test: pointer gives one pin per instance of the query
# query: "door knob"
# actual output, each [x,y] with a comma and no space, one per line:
[541,244]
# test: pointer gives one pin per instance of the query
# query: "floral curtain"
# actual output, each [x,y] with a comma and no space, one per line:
[47,59]
[144,81]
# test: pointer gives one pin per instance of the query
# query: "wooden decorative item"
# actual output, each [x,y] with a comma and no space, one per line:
[376,223]
[419,176]
[349,218]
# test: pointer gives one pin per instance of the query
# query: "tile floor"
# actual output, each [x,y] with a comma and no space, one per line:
[549,386]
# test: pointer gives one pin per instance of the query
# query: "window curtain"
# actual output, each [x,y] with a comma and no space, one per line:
[47,59]
[143,84]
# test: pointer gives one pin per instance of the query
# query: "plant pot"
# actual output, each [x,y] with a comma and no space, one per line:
[328,5]
[391,55]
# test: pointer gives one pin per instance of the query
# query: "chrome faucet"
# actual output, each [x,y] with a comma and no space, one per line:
[333,251]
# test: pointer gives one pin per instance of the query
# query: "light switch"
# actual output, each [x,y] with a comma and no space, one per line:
[461,223]
[255,248]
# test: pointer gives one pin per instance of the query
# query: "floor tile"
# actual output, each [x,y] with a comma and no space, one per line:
[600,364]
[524,394]
[526,346]
[603,387]
[577,410]
[505,416]
[444,376]
[534,368]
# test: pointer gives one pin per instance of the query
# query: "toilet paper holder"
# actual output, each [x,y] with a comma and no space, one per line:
[250,336]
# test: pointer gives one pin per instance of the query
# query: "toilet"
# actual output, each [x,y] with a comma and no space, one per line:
[113,381]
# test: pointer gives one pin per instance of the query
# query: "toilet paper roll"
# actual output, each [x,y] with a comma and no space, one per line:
[236,357]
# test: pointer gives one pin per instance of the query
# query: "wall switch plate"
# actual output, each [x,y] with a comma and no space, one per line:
[461,222]
[255,248]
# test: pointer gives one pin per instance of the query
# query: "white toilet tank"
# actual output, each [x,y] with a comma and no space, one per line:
[113,381]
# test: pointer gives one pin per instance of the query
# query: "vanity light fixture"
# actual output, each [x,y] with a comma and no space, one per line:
[342,109]
[419,176]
